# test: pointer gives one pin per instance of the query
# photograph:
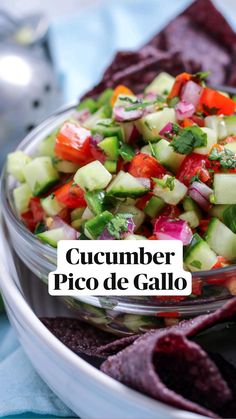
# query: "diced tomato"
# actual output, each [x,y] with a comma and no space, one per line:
[71,195]
[120,90]
[170,314]
[203,225]
[141,202]
[197,286]
[171,211]
[73,143]
[187,122]
[97,154]
[198,120]
[180,81]
[211,99]
[36,208]
[29,220]
[143,165]
[153,237]
[190,166]
[64,214]
[221,262]
[230,139]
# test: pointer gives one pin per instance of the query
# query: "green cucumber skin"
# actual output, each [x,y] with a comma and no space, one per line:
[125,186]
[154,206]
[221,239]
[95,226]
[199,251]
[52,237]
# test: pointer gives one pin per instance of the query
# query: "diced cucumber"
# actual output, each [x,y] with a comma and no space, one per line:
[151,125]
[95,201]
[224,188]
[230,123]
[76,214]
[126,152]
[146,149]
[191,217]
[51,205]
[218,211]
[22,195]
[231,146]
[229,217]
[95,226]
[221,239]
[166,155]
[138,215]
[16,162]
[135,237]
[173,196]
[65,166]
[105,97]
[92,176]
[199,256]
[111,166]
[101,113]
[110,146]
[224,126]
[40,175]
[154,206]
[52,237]
[76,224]
[161,84]
[190,205]
[89,104]
[125,185]
[87,214]
[125,101]
[211,140]
[46,147]
[107,128]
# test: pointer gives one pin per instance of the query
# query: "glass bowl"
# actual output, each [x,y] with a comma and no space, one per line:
[120,315]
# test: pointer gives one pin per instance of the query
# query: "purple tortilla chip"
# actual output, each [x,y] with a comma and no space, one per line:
[190,42]
[83,338]
[135,365]
[138,366]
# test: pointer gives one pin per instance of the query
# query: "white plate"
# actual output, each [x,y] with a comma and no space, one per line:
[86,390]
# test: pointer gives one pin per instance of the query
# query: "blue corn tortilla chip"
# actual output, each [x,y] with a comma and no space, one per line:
[83,338]
[167,366]
[190,42]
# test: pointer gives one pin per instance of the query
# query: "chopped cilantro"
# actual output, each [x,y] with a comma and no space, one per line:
[105,122]
[226,158]
[118,225]
[126,152]
[201,75]
[168,183]
[189,138]
[173,101]
[196,264]
[195,178]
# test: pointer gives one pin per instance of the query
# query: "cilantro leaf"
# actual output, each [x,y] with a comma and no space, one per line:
[196,264]
[188,139]
[118,225]
[226,158]
[168,183]
[202,75]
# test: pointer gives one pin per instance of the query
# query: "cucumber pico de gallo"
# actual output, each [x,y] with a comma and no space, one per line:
[158,165]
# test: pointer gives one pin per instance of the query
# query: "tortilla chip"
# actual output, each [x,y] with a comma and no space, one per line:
[86,339]
[139,366]
[200,39]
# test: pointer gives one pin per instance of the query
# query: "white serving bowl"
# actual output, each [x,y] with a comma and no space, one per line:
[82,387]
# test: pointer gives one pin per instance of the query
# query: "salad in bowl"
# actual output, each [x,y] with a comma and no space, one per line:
[159,165]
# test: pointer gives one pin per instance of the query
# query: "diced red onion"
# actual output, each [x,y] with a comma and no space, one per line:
[184,110]
[172,229]
[82,116]
[191,93]
[131,227]
[70,233]
[166,129]
[106,235]
[145,182]
[200,193]
[151,96]
[121,115]
[96,138]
